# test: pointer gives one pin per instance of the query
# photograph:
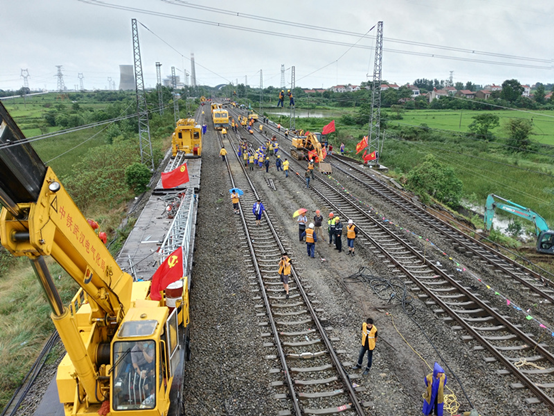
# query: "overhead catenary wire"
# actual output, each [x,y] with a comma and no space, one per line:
[305,38]
[348,33]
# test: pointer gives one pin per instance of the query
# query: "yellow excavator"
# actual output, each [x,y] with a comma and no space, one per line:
[125,352]
[187,138]
[303,145]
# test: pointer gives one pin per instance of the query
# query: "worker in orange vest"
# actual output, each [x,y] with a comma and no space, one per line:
[369,337]
[284,272]
[311,239]
[351,234]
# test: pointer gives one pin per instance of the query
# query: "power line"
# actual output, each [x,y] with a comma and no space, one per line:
[305,38]
[348,33]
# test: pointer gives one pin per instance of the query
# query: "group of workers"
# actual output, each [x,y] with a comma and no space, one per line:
[282,98]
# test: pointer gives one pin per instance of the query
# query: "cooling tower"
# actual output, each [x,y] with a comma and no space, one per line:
[126,77]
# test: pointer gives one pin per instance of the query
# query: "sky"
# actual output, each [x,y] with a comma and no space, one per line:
[485,41]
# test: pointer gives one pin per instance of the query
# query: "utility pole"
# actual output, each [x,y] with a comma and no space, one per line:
[375,117]
[245,80]
[109,83]
[25,75]
[192,73]
[451,79]
[292,115]
[159,87]
[81,82]
[145,142]
[175,99]
[261,90]
[61,84]
[282,76]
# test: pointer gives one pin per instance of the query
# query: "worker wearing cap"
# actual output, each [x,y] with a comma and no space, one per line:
[281,98]
[369,337]
[235,199]
[286,167]
[284,272]
[318,220]
[302,221]
[266,164]
[351,234]
[331,227]
[291,99]
[338,234]
[278,163]
[222,153]
[311,239]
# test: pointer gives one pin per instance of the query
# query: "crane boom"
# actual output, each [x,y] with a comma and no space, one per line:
[513,208]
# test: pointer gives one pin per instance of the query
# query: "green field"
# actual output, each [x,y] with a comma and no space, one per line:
[459,120]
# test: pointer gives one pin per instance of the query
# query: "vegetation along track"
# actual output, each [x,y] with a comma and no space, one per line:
[505,342]
[324,387]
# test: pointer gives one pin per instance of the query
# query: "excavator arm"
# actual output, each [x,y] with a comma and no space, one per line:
[513,208]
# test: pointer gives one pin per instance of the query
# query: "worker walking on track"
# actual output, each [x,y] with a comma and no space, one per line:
[286,167]
[258,210]
[275,148]
[281,98]
[284,272]
[311,167]
[235,198]
[338,234]
[369,337]
[251,161]
[351,234]
[331,227]
[291,99]
[302,221]
[222,153]
[433,398]
[311,239]
[266,164]
[278,164]
[307,175]
[318,220]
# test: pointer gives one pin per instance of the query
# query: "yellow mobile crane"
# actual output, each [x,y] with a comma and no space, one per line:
[125,352]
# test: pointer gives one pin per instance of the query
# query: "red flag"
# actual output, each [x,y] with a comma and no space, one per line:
[329,128]
[362,145]
[176,177]
[312,154]
[169,271]
[371,156]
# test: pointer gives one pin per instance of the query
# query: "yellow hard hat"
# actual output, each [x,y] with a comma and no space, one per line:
[288,90]
[282,90]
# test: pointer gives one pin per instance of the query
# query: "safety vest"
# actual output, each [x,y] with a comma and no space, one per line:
[331,224]
[235,198]
[251,159]
[350,231]
[284,267]
[223,152]
[281,95]
[261,127]
[370,333]
[311,166]
[289,94]
[309,235]
[286,165]
[276,145]
[245,155]
[429,393]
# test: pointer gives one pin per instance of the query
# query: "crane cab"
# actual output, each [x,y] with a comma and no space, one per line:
[187,138]
[545,242]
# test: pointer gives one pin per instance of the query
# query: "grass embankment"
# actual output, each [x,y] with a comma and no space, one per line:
[94,175]
[484,168]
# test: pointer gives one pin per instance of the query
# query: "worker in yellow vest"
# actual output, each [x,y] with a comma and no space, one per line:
[286,167]
[251,161]
[351,234]
[222,153]
[331,227]
[235,199]
[311,167]
[224,132]
[433,398]
[311,239]
[369,337]
[261,128]
[284,272]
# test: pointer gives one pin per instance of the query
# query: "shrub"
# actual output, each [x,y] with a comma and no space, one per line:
[137,177]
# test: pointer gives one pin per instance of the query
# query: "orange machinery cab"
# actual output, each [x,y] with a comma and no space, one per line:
[187,138]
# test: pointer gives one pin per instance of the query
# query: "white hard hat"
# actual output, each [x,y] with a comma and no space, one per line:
[311,225]
[350,222]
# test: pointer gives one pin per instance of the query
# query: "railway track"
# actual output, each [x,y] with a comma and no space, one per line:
[299,336]
[527,360]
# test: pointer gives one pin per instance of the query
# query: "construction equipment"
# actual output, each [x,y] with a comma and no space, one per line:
[187,138]
[252,115]
[125,352]
[306,147]
[545,236]
[220,118]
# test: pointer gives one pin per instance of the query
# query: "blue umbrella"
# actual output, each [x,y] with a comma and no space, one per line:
[237,190]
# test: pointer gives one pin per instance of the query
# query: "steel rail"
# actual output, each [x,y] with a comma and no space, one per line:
[327,342]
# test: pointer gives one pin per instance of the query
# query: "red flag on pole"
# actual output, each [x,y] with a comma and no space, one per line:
[169,271]
[362,145]
[329,128]
[323,153]
[312,154]
[176,177]
[369,157]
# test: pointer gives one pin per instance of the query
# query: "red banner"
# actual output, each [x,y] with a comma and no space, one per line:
[329,128]
[362,145]
[169,271]
[312,154]
[176,177]
[369,157]
[323,153]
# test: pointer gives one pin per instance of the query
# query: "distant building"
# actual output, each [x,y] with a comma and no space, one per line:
[466,94]
[309,91]
[168,82]
[414,89]
[126,77]
[493,88]
[436,94]
[483,94]
[451,90]
[338,88]
[526,90]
